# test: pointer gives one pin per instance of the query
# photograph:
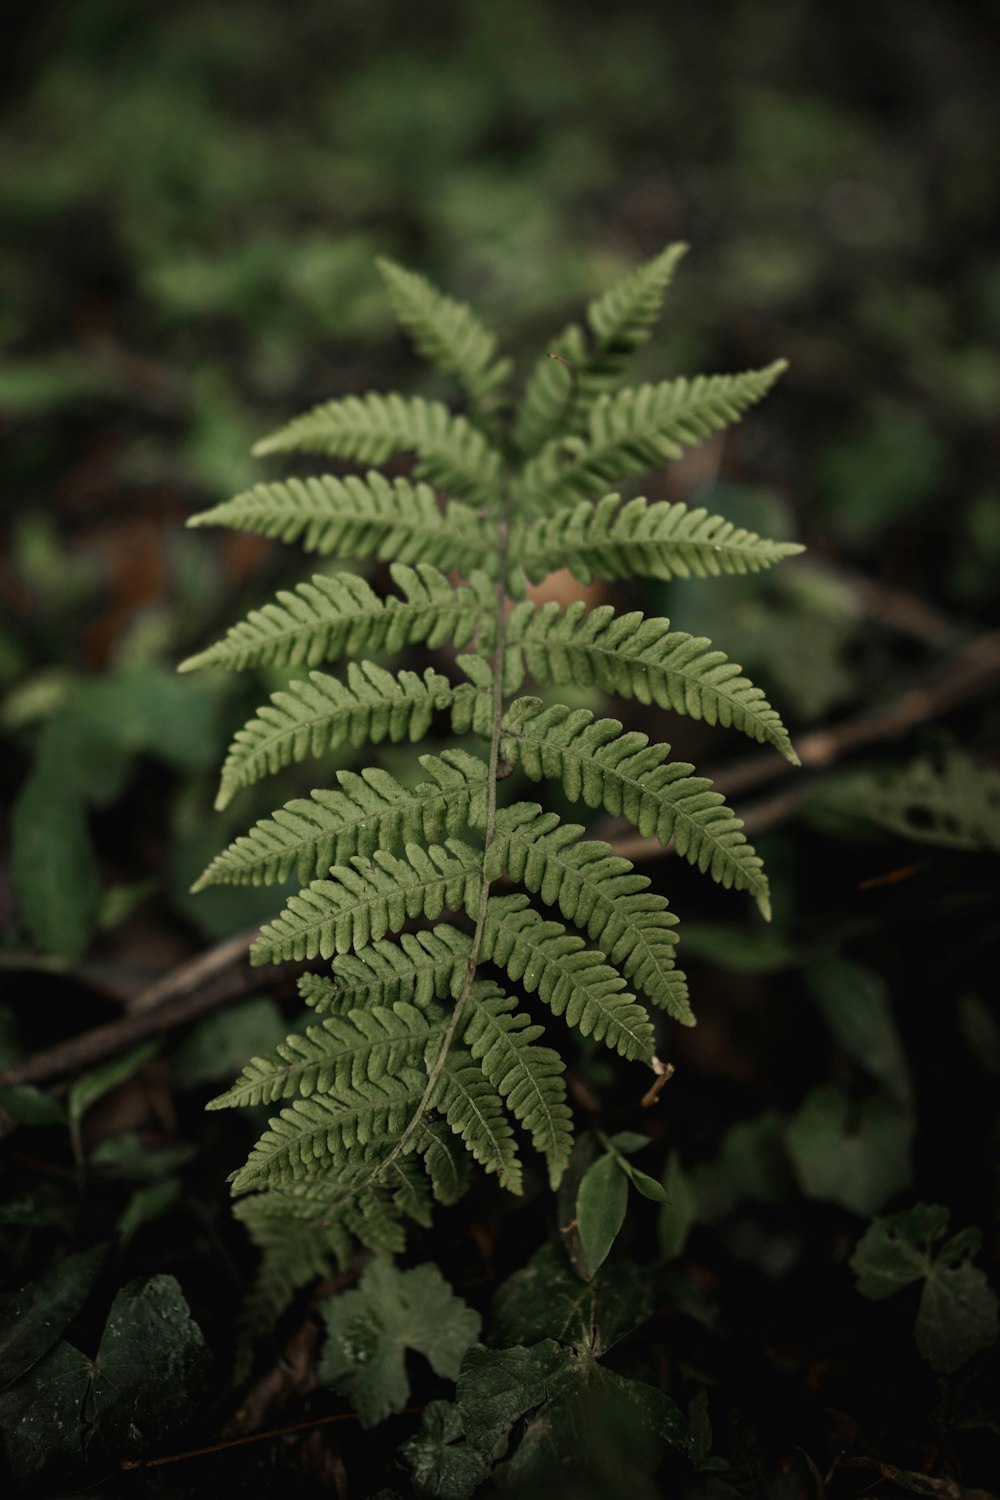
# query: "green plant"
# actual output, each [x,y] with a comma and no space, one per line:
[421,1052]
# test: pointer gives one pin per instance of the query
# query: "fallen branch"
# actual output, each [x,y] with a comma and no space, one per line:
[221,974]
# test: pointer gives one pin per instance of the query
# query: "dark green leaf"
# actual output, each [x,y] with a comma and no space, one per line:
[497,1386]
[628,1141]
[895,1251]
[151,1361]
[547,1300]
[219,1046]
[53,866]
[751,1167]
[370,1329]
[957,1315]
[857,1162]
[599,1432]
[679,1212]
[147,1204]
[443,1465]
[600,1210]
[70,1410]
[644,1184]
[32,1322]
[94,1085]
[31,1106]
[857,1010]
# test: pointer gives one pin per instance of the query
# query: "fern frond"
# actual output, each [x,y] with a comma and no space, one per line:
[638,429]
[318,714]
[364,901]
[643,539]
[571,979]
[597,763]
[338,1054]
[342,615]
[311,1136]
[558,396]
[445,332]
[370,429]
[638,657]
[293,1253]
[352,517]
[599,893]
[447,1166]
[420,967]
[475,1112]
[371,811]
[528,1078]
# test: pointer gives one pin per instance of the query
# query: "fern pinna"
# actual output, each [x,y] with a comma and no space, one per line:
[422,1055]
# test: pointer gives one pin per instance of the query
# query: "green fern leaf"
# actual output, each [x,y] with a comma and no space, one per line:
[364,901]
[528,1078]
[353,517]
[561,391]
[370,429]
[475,1112]
[637,657]
[572,980]
[642,539]
[638,429]
[342,615]
[340,1053]
[317,715]
[308,1139]
[626,775]
[599,893]
[447,1166]
[371,811]
[420,967]
[445,332]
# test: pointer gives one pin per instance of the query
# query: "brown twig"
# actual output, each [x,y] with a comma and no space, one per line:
[223,974]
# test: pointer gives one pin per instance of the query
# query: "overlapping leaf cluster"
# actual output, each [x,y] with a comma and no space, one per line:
[422,1054]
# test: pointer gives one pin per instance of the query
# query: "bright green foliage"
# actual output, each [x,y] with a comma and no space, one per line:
[642,539]
[343,616]
[957,1315]
[354,517]
[569,378]
[641,658]
[372,428]
[446,332]
[319,714]
[637,430]
[417,1062]
[370,812]
[600,765]
[597,891]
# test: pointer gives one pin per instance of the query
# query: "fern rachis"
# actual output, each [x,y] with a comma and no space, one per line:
[420,1052]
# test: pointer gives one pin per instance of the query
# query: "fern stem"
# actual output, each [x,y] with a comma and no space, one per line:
[451,1030]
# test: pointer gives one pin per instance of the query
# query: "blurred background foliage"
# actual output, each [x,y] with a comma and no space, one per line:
[192,198]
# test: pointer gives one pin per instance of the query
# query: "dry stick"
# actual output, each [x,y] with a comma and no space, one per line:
[972,672]
[180,1002]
